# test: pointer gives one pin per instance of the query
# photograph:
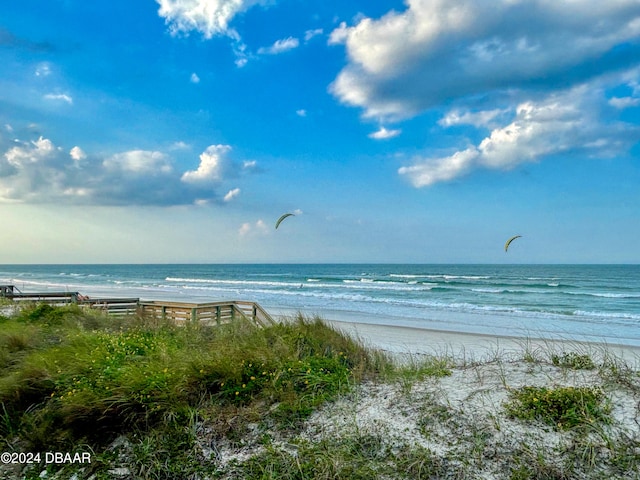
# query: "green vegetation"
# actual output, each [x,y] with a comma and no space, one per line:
[562,407]
[70,377]
[575,361]
[151,400]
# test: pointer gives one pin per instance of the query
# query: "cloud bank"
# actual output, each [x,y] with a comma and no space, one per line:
[534,77]
[39,172]
[441,50]
[567,123]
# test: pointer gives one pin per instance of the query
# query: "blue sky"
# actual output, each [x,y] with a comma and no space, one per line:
[420,131]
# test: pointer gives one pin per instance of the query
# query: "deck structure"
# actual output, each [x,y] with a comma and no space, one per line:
[212,313]
[180,313]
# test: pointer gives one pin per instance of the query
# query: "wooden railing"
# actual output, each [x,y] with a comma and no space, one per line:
[180,313]
[112,306]
[11,292]
[213,313]
[255,312]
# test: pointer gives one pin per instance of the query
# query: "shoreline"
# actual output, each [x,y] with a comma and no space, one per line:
[400,340]
[403,341]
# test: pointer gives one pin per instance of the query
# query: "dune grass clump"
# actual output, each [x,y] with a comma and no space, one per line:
[68,377]
[562,408]
[573,360]
[353,456]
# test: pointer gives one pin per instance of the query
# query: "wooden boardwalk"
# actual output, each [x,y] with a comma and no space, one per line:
[180,313]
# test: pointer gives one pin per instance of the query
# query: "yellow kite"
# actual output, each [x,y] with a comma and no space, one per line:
[506,245]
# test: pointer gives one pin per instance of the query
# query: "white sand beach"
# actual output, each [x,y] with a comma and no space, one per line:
[403,341]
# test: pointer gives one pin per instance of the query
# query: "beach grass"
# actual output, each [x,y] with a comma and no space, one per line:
[301,400]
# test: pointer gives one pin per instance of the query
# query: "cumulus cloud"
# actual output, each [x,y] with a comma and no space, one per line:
[35,152]
[213,163]
[563,123]
[194,78]
[77,154]
[39,171]
[383,134]
[438,51]
[209,17]
[28,167]
[301,112]
[280,46]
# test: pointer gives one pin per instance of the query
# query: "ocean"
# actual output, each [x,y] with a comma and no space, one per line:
[578,302]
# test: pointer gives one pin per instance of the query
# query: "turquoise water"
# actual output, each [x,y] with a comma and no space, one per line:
[587,302]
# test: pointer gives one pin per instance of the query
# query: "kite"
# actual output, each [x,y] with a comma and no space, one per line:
[283,217]
[506,245]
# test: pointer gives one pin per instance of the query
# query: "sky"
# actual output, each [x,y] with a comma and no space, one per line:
[424,131]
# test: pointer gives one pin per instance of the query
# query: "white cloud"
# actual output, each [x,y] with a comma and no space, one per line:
[301,113]
[194,78]
[32,153]
[77,154]
[280,46]
[383,134]
[39,171]
[43,69]
[249,165]
[77,192]
[244,229]
[213,164]
[59,96]
[139,162]
[231,194]
[209,17]
[439,51]
[428,172]
[624,102]
[339,35]
[484,118]
[309,34]
[562,123]
[258,227]
[180,145]
[27,168]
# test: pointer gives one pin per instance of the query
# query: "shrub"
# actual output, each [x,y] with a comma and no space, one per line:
[573,360]
[563,407]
